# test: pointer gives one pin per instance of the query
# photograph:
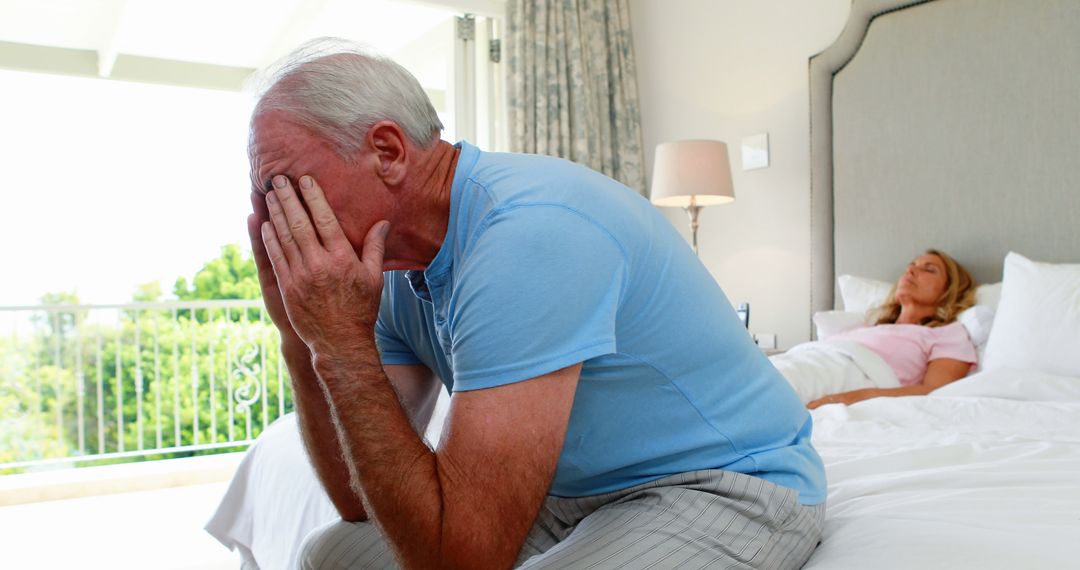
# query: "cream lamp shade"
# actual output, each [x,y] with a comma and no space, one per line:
[690,175]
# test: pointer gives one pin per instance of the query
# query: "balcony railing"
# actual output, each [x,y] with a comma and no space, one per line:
[83,383]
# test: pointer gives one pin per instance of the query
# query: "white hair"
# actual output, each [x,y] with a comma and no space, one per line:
[339,89]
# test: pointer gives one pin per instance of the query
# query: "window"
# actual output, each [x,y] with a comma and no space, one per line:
[113,186]
[124,182]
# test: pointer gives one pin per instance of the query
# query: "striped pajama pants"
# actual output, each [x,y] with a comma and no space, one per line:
[700,519]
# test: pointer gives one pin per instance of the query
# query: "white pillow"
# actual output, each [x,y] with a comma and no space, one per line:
[988,295]
[978,321]
[829,323]
[1037,324]
[860,294]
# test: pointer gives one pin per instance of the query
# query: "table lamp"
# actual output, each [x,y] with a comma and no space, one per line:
[692,175]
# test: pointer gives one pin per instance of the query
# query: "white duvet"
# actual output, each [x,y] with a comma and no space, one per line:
[816,369]
[984,473]
[273,501]
[275,498]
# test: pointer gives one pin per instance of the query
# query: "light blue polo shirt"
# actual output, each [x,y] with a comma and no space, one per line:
[547,264]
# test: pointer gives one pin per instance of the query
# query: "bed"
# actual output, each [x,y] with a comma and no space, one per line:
[951,123]
[275,499]
[980,474]
[960,479]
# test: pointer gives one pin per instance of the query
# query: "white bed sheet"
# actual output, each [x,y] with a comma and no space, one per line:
[273,501]
[984,473]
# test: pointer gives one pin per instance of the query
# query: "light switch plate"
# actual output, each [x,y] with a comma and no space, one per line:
[755,151]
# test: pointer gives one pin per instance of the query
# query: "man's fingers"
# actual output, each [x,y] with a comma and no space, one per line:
[375,247]
[254,223]
[258,205]
[274,252]
[282,231]
[255,220]
[326,223]
[299,224]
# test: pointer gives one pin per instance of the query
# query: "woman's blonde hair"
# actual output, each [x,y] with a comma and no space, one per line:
[959,295]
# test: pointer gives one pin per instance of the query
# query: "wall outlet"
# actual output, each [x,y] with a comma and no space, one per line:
[765,340]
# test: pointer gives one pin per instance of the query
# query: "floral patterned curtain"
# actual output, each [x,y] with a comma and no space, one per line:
[572,85]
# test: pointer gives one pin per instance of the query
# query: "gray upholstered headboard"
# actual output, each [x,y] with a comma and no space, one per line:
[952,124]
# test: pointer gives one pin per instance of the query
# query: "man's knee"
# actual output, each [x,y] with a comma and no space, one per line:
[340,544]
[316,544]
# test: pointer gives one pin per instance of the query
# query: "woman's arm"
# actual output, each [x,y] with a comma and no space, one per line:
[938,373]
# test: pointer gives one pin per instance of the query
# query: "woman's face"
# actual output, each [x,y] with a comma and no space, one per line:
[923,283]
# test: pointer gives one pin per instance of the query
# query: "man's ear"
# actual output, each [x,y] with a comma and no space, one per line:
[391,150]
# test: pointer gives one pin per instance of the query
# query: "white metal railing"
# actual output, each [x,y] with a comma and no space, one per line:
[137,380]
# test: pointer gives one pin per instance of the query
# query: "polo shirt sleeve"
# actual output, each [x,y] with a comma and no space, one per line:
[952,341]
[389,338]
[537,290]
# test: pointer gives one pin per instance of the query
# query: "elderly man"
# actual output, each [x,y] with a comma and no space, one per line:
[608,409]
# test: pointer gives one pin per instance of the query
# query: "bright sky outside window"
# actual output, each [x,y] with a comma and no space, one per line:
[110,184]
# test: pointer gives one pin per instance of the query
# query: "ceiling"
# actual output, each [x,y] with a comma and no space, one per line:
[209,43]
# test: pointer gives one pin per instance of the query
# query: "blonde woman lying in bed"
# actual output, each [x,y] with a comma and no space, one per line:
[915,333]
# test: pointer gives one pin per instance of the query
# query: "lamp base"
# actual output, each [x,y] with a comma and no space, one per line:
[692,211]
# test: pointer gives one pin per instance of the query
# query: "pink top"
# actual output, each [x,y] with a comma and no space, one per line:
[909,348]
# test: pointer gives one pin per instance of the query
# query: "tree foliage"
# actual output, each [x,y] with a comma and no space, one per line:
[145,379]
[232,275]
[59,323]
[147,292]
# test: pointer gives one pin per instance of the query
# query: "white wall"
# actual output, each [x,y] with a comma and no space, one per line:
[725,69]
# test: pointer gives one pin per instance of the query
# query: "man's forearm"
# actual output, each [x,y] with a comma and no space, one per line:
[476,497]
[319,434]
[397,472]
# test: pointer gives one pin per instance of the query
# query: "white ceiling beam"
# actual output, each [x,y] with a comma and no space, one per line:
[109,42]
[294,31]
[485,8]
[83,63]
